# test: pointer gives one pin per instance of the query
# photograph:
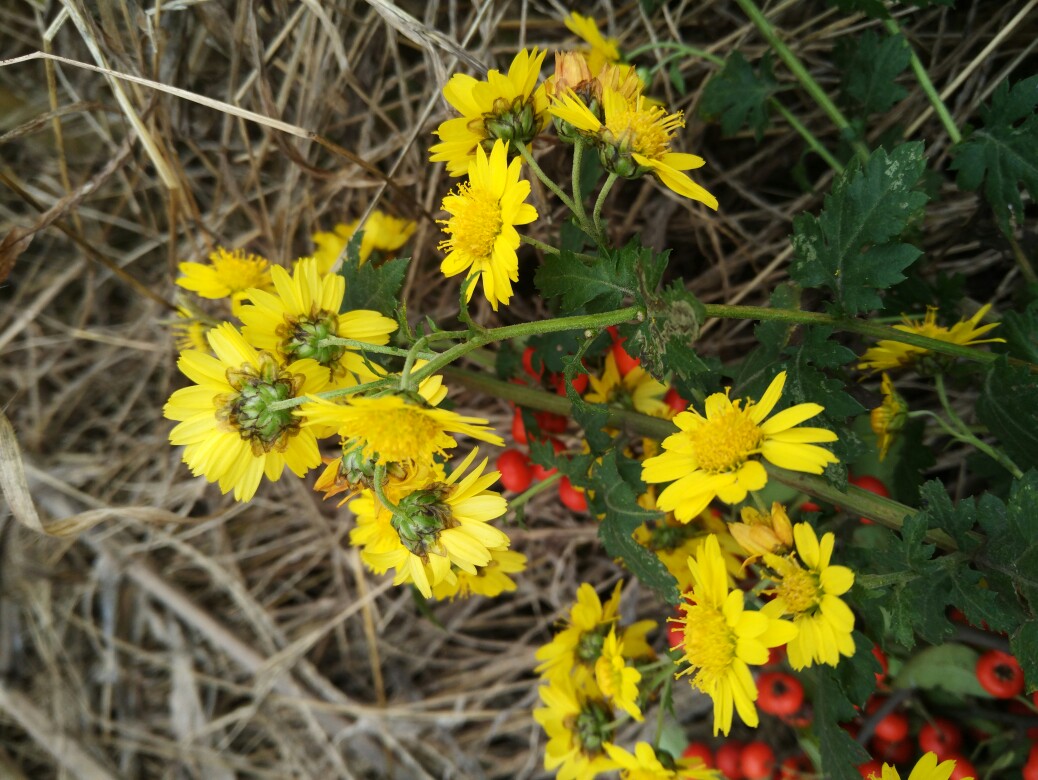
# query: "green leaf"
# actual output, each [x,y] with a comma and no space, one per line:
[663,340]
[911,459]
[955,519]
[950,667]
[869,65]
[840,753]
[1024,644]
[1020,330]
[1003,155]
[851,248]
[1008,406]
[806,382]
[373,287]
[739,96]
[1011,553]
[591,417]
[614,498]
[601,285]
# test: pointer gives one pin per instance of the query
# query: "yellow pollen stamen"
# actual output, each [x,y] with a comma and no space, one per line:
[409,430]
[799,590]
[709,643]
[723,443]
[646,131]
[238,270]
[475,228]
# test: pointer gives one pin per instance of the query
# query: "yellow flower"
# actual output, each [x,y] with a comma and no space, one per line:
[398,427]
[303,311]
[644,764]
[635,390]
[722,640]
[491,580]
[634,139]
[352,472]
[763,532]
[893,354]
[579,725]
[226,275]
[618,681]
[812,596]
[603,51]
[714,455]
[229,431]
[926,769]
[190,331]
[506,107]
[889,417]
[578,646]
[383,233]
[443,525]
[481,231]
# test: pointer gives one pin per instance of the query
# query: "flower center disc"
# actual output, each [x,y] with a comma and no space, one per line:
[476,226]
[723,443]
[248,410]
[401,435]
[709,641]
[800,590]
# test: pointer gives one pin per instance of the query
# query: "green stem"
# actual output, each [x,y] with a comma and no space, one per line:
[545,179]
[807,135]
[530,492]
[609,182]
[962,432]
[290,403]
[681,48]
[801,73]
[550,250]
[924,81]
[578,196]
[363,346]
[377,481]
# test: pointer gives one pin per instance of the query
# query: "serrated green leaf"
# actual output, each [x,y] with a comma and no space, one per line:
[807,383]
[955,519]
[869,65]
[1008,406]
[1020,330]
[851,248]
[739,96]
[1003,155]
[950,667]
[578,283]
[840,753]
[1024,644]
[1011,551]
[591,417]
[614,498]
[912,458]
[373,287]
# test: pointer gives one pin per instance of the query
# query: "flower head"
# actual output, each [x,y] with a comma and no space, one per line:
[618,681]
[506,107]
[490,581]
[482,238]
[646,764]
[228,274]
[636,390]
[383,233]
[229,424]
[433,530]
[715,454]
[927,768]
[889,417]
[634,139]
[722,640]
[602,51]
[294,321]
[190,330]
[888,355]
[579,724]
[810,593]
[763,532]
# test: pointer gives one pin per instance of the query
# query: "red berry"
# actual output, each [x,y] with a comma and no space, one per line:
[757,760]
[702,751]
[1000,674]
[550,423]
[516,474]
[893,727]
[871,768]
[727,758]
[810,506]
[779,693]
[873,485]
[675,401]
[571,497]
[542,473]
[775,655]
[793,768]
[624,362]
[532,364]
[882,658]
[963,767]
[897,752]
[519,429]
[1030,771]
[941,737]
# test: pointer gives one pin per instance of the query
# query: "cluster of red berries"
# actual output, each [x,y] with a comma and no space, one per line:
[754,760]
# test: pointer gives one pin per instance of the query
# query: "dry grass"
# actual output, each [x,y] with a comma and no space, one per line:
[178,634]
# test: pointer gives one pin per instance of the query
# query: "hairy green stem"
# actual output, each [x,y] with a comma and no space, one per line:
[533,490]
[363,346]
[550,250]
[545,179]
[597,216]
[290,403]
[924,81]
[959,430]
[807,135]
[578,196]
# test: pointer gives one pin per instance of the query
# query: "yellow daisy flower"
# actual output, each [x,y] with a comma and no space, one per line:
[189,331]
[227,427]
[618,681]
[603,51]
[577,647]
[443,525]
[383,233]
[644,764]
[401,427]
[579,724]
[482,238]
[893,354]
[505,107]
[303,311]
[926,769]
[713,455]
[490,581]
[763,532]
[634,139]
[351,473]
[887,419]
[228,274]
[635,390]
[722,640]
[812,597]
